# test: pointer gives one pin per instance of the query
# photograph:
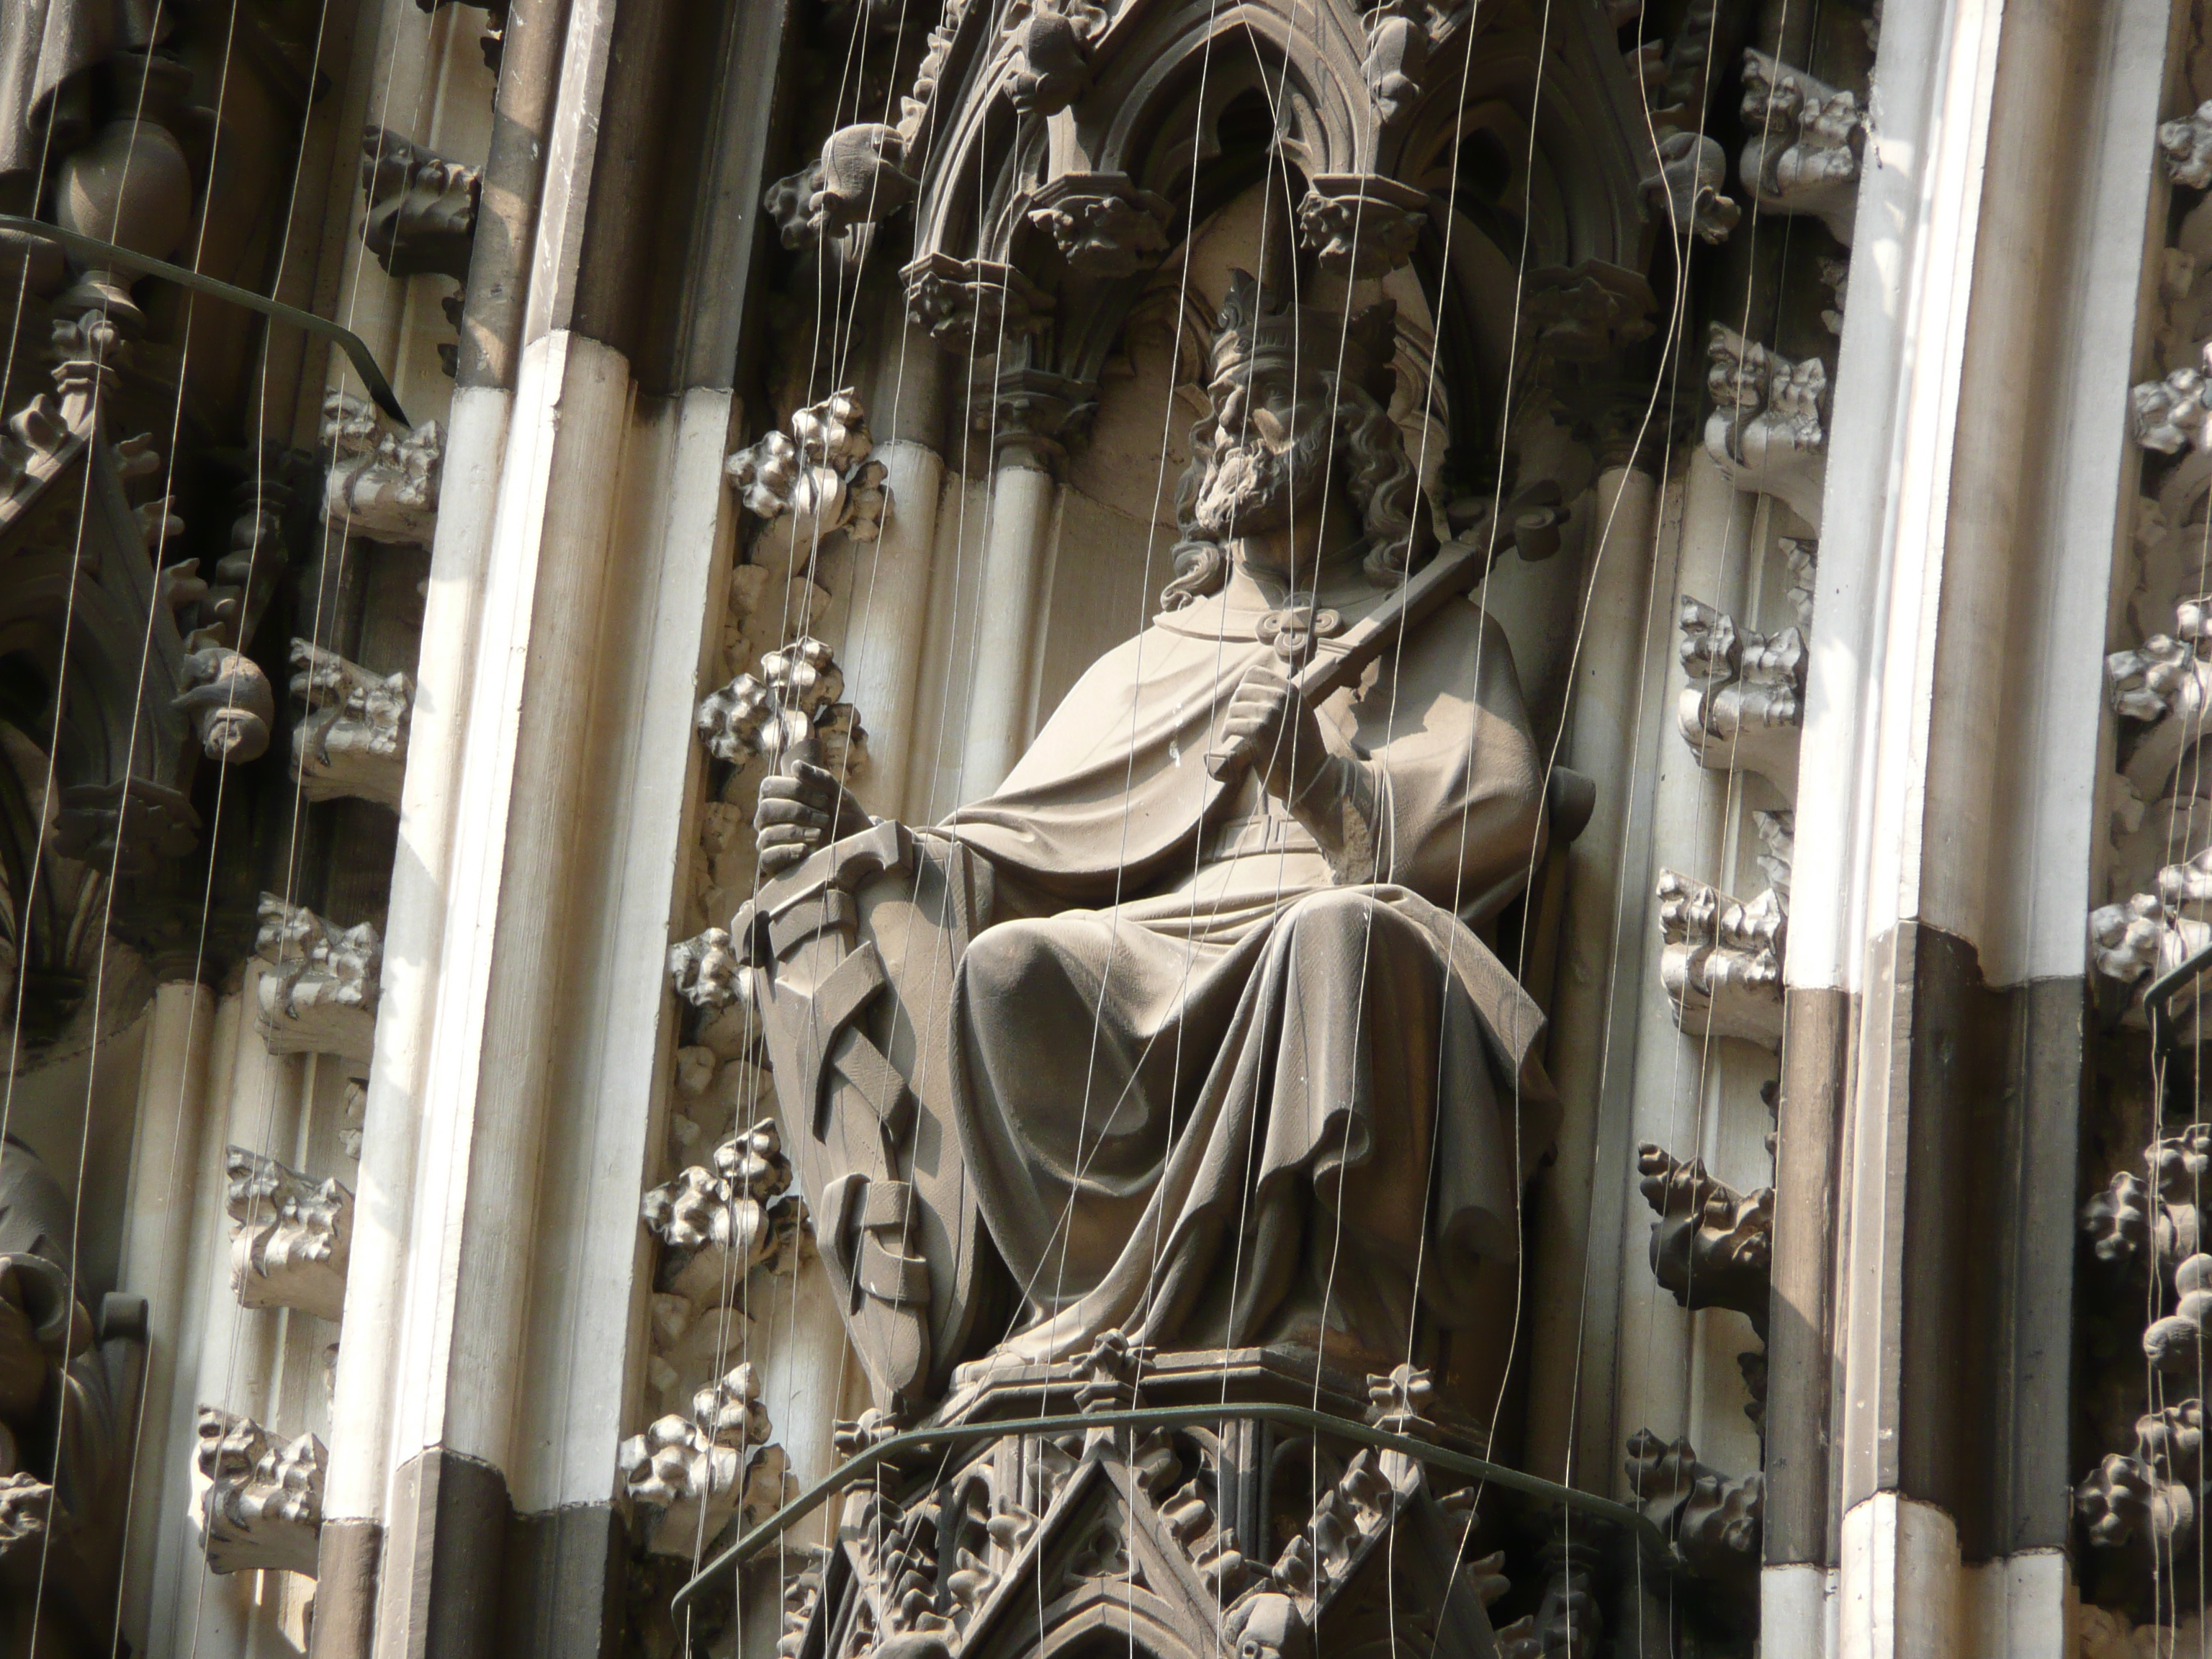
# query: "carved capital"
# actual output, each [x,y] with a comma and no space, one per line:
[1587,313]
[320,994]
[1102,224]
[1806,140]
[2185,147]
[1685,192]
[1744,708]
[382,484]
[291,1236]
[977,306]
[819,480]
[716,1225]
[352,741]
[422,207]
[1721,960]
[1767,430]
[688,1476]
[1361,224]
[1034,415]
[258,1500]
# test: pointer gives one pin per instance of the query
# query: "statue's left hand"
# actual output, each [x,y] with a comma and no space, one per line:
[797,812]
[1270,721]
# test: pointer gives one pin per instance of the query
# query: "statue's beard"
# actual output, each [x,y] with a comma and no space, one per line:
[1254,486]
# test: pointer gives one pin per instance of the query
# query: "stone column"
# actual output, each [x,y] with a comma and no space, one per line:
[890,605]
[1671,1071]
[1033,414]
[166,1161]
[1571,1432]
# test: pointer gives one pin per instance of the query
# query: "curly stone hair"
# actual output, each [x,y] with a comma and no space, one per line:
[1378,474]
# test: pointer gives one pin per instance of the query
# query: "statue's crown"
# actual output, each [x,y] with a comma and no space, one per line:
[1259,323]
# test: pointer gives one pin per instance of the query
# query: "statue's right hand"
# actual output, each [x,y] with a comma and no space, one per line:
[799,811]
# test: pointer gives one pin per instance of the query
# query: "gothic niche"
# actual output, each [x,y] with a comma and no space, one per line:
[1305,814]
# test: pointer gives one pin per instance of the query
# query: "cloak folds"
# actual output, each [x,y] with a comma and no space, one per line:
[1211,1095]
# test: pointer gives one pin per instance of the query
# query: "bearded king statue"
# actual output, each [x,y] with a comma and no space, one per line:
[1198,1057]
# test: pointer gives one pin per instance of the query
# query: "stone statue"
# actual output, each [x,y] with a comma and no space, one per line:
[68,1399]
[1227,1065]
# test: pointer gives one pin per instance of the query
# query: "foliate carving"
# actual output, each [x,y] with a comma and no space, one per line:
[705,969]
[319,993]
[228,700]
[1587,313]
[1806,140]
[820,480]
[1102,224]
[1722,960]
[1712,1520]
[2134,941]
[2185,147]
[2165,684]
[257,1499]
[1567,1623]
[1744,708]
[422,207]
[973,305]
[688,1476]
[1053,38]
[2174,413]
[717,1225]
[352,739]
[794,701]
[291,1236]
[382,484]
[1685,192]
[27,1505]
[1400,35]
[1712,1246]
[1361,224]
[859,179]
[1767,429]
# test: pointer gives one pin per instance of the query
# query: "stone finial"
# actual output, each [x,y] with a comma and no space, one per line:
[422,207]
[1806,140]
[257,1499]
[1685,192]
[352,738]
[1721,960]
[818,481]
[687,1476]
[716,1226]
[1744,708]
[1767,430]
[320,994]
[383,483]
[291,1236]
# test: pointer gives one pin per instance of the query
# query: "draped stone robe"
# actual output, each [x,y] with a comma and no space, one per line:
[1217,1092]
